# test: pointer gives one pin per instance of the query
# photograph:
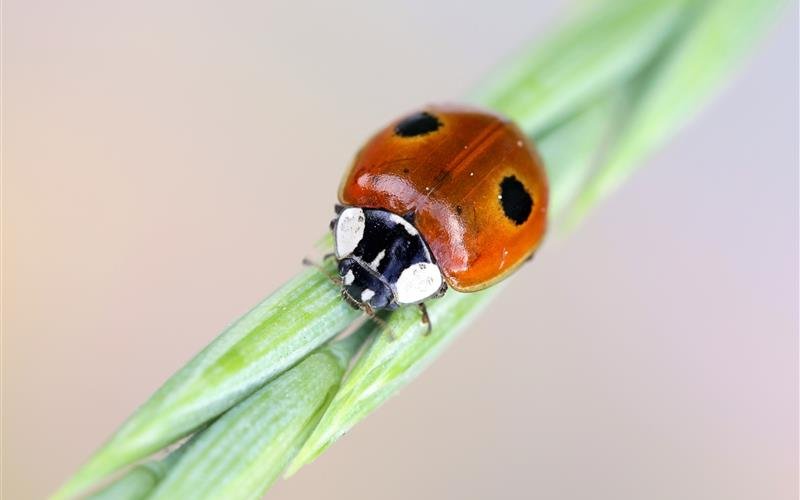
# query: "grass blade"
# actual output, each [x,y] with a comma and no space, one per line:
[139,481]
[298,318]
[244,451]
[390,364]
[136,484]
[667,94]
[584,60]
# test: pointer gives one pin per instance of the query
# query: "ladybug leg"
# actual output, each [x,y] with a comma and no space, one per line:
[328,255]
[370,312]
[426,320]
[334,279]
[350,300]
[379,321]
[529,258]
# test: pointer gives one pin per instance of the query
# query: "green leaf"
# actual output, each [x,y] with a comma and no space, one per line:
[581,62]
[140,480]
[244,451]
[572,150]
[277,333]
[247,448]
[669,91]
[392,361]
[134,485]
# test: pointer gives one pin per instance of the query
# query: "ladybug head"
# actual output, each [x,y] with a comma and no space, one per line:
[383,260]
[362,287]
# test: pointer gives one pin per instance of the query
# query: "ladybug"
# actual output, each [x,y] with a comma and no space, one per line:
[447,196]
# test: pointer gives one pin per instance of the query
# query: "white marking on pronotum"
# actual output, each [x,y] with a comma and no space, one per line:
[377,261]
[407,225]
[418,282]
[349,278]
[366,295]
[349,231]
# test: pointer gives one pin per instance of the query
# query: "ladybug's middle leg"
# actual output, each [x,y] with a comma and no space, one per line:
[426,320]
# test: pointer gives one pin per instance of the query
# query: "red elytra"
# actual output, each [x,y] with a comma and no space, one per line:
[470,181]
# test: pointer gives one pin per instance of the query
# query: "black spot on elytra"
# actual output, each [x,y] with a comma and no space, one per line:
[515,200]
[405,170]
[417,124]
[459,209]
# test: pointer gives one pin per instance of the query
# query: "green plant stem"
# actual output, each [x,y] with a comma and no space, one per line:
[244,451]
[277,333]
[596,96]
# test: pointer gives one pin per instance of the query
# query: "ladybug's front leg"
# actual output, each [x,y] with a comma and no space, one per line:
[336,280]
[426,320]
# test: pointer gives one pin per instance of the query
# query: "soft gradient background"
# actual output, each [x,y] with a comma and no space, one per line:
[167,165]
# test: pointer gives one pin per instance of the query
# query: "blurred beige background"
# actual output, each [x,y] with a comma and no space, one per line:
[167,165]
